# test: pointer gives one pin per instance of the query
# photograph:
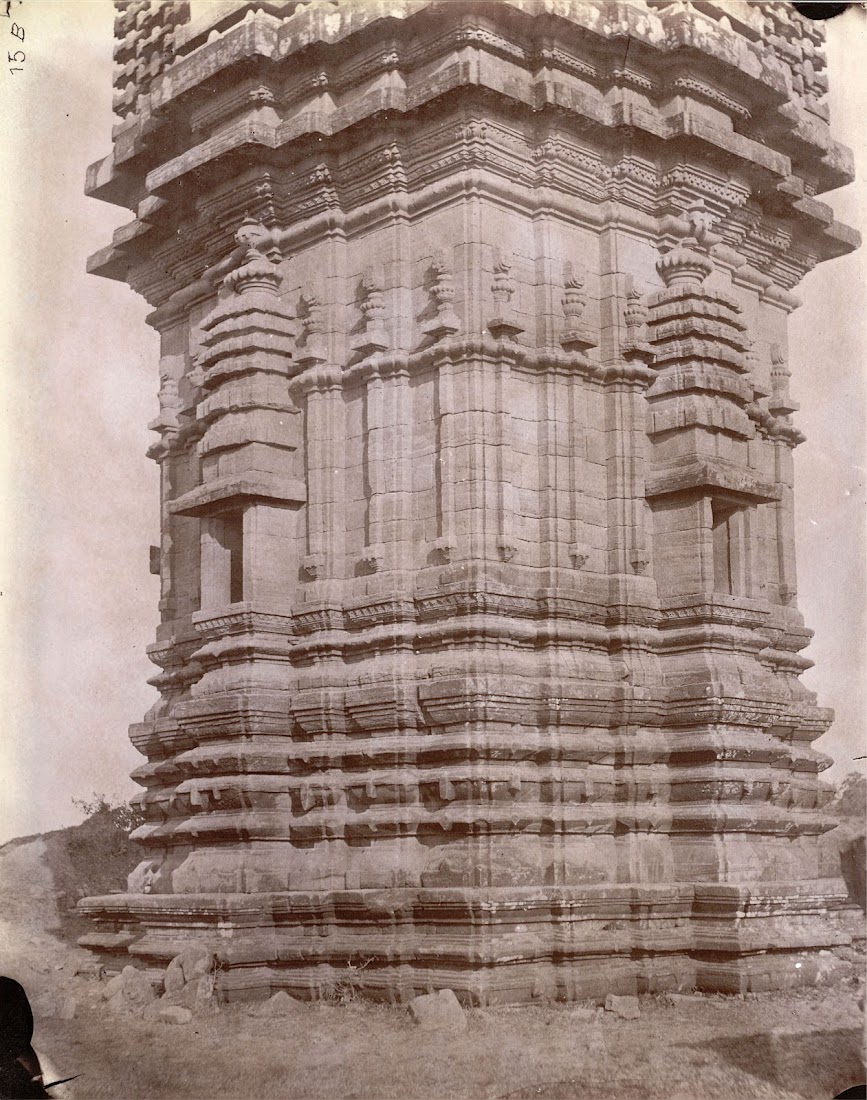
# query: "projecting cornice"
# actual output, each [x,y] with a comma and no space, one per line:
[647,106]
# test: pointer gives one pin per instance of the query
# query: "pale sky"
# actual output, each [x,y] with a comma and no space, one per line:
[79,384]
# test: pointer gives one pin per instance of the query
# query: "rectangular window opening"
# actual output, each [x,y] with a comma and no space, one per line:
[233,542]
[723,572]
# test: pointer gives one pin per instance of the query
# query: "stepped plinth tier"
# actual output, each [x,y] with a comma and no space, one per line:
[480,649]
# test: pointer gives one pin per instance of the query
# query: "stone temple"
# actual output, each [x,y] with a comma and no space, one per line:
[479,653]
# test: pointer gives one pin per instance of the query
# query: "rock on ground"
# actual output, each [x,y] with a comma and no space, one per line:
[174,980]
[281,1004]
[130,988]
[195,961]
[88,969]
[189,981]
[624,1007]
[54,1005]
[112,987]
[198,996]
[175,1014]
[44,1007]
[440,1011]
[683,998]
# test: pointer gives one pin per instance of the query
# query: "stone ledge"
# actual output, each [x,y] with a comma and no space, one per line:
[225,493]
[708,474]
[563,942]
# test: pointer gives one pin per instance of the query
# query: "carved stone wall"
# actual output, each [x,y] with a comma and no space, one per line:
[479,650]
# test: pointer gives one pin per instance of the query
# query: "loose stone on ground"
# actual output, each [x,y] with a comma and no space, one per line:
[281,1004]
[626,1008]
[175,1014]
[131,988]
[440,1011]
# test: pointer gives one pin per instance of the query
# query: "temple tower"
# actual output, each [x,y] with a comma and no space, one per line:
[479,650]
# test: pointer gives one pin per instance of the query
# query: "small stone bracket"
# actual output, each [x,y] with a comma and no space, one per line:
[780,403]
[507,549]
[313,566]
[446,321]
[639,560]
[313,349]
[579,554]
[576,336]
[788,592]
[502,326]
[373,337]
[442,550]
[635,344]
[258,269]
[372,560]
[687,263]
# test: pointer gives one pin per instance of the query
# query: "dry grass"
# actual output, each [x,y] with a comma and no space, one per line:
[778,1045]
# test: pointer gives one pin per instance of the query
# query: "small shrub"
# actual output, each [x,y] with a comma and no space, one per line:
[94,857]
[348,988]
[851,797]
[843,847]
[99,849]
[123,816]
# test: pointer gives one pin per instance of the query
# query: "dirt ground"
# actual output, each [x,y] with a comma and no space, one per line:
[807,1044]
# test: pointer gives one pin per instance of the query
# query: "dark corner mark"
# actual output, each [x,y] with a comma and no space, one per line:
[815,9]
[20,1071]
